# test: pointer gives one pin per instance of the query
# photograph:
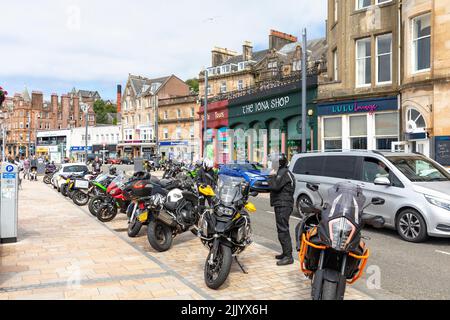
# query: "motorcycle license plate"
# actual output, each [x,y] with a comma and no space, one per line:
[81,184]
[143,217]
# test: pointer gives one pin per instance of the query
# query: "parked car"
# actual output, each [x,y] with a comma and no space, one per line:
[126,161]
[113,161]
[251,172]
[416,188]
[67,168]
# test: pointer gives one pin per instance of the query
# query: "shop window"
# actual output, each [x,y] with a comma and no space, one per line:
[363,62]
[421,43]
[386,130]
[341,167]
[358,132]
[384,58]
[332,133]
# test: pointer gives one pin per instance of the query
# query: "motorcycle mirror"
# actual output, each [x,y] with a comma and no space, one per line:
[378,201]
[312,187]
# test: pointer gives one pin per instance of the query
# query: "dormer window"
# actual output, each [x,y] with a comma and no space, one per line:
[226,69]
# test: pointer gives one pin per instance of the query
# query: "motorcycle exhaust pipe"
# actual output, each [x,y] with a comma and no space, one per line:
[167,219]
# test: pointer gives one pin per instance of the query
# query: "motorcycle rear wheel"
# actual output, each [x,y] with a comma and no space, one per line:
[80,198]
[217,274]
[47,179]
[159,235]
[64,190]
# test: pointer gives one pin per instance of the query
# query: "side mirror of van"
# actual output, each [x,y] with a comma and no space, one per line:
[312,187]
[382,181]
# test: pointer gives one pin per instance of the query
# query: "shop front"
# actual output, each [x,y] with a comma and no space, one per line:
[78,153]
[175,150]
[361,124]
[215,146]
[105,151]
[270,122]
[135,149]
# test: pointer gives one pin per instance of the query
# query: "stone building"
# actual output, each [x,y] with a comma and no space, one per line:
[139,103]
[358,100]
[28,115]
[179,127]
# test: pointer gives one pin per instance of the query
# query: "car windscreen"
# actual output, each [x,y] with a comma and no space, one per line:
[72,169]
[243,167]
[420,169]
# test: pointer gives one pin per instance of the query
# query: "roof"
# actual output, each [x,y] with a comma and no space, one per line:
[256,56]
[142,85]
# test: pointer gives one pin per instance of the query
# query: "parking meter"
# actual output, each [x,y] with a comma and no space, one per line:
[9,200]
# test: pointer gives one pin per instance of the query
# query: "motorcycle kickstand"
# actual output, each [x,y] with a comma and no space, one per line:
[240,265]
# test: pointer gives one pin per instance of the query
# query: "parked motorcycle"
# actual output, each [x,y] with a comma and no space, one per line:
[226,230]
[49,172]
[179,212]
[331,251]
[93,188]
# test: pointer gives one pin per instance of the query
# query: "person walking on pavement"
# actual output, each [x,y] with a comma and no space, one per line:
[33,168]
[97,165]
[282,187]
[26,168]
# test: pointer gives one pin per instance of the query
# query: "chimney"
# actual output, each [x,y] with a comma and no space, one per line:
[278,40]
[247,51]
[37,100]
[65,108]
[220,55]
[76,110]
[119,98]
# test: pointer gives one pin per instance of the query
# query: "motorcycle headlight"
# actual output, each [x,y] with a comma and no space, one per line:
[204,227]
[341,233]
[224,211]
[441,203]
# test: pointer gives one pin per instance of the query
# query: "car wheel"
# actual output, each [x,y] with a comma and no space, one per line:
[303,198]
[411,226]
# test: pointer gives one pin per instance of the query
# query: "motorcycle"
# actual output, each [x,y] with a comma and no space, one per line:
[97,192]
[94,187]
[179,212]
[331,251]
[226,230]
[49,175]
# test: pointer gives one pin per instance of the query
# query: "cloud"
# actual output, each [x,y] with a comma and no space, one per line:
[81,41]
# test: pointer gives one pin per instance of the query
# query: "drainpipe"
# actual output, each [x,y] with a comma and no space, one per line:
[399,69]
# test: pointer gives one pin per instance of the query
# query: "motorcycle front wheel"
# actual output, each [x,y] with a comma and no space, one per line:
[107,214]
[160,236]
[94,204]
[47,179]
[80,198]
[134,227]
[330,287]
[64,190]
[217,272]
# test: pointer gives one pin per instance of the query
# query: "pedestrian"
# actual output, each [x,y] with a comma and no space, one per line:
[26,168]
[282,187]
[97,165]
[33,168]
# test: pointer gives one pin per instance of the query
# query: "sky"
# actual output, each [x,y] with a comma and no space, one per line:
[55,45]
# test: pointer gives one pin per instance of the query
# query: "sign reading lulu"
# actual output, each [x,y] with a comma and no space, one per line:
[361,106]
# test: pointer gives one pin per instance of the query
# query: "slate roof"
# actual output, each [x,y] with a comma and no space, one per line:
[142,85]
[256,56]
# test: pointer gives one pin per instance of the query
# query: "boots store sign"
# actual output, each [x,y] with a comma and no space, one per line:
[267,105]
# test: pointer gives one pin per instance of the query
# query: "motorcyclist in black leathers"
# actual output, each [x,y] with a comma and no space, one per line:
[282,187]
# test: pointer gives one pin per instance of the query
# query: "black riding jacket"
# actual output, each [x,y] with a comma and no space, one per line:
[282,187]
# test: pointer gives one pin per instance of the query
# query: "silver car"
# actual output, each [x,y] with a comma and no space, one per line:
[416,188]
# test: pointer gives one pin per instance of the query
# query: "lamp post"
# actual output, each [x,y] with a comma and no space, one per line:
[205,114]
[85,109]
[304,74]
[311,126]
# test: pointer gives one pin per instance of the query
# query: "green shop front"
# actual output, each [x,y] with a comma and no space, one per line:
[270,122]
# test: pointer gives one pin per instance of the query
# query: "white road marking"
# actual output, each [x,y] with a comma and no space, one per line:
[271,212]
[443,252]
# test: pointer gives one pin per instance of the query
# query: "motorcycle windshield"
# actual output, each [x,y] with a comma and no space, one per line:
[101,178]
[229,189]
[346,200]
[120,180]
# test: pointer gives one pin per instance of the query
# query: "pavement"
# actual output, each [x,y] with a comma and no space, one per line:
[64,253]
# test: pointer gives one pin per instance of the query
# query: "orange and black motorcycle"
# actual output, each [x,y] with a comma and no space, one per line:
[331,251]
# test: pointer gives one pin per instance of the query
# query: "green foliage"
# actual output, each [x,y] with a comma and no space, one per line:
[101,109]
[193,84]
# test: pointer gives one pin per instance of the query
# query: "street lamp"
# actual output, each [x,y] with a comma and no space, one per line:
[311,126]
[85,109]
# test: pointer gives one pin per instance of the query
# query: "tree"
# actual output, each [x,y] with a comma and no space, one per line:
[193,84]
[101,109]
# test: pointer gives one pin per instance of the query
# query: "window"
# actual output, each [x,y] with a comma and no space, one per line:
[373,169]
[166,115]
[192,132]
[384,58]
[363,62]
[178,113]
[386,129]
[209,90]
[226,69]
[335,65]
[311,166]
[336,10]
[358,132]
[178,133]
[166,133]
[421,46]
[341,167]
[240,85]
[192,112]
[241,66]
[332,133]
[361,4]
[223,87]
[297,65]
[129,135]
[383,1]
